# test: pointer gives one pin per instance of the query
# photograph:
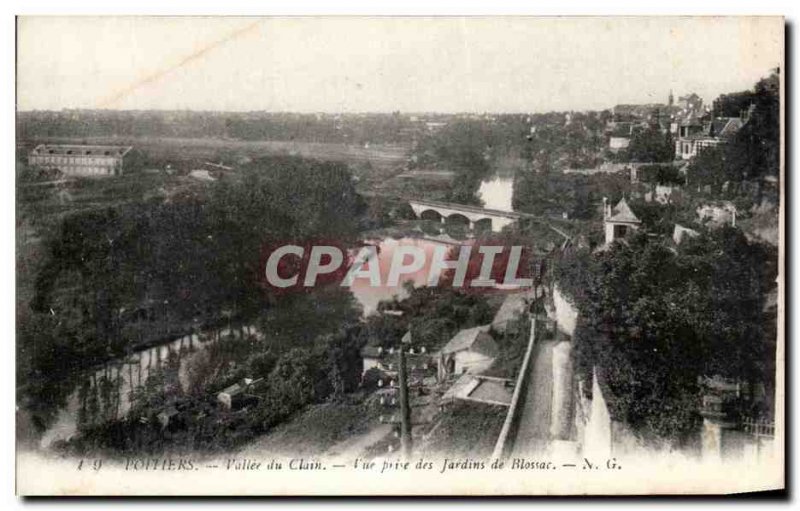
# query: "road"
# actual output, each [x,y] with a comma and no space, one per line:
[533,434]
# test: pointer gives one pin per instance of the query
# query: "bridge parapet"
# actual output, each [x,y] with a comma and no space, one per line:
[498,219]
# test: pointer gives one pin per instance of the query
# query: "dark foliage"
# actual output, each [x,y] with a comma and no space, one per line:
[652,322]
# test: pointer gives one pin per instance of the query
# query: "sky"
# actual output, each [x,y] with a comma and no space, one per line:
[382,64]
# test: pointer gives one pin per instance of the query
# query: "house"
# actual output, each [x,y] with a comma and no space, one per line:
[694,136]
[619,220]
[471,350]
[239,395]
[512,307]
[690,102]
[680,233]
[618,143]
[717,215]
[661,194]
[620,133]
[371,357]
[80,160]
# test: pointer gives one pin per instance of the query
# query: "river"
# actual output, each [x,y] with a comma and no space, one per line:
[497,192]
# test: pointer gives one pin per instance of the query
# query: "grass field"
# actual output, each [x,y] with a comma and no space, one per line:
[315,430]
[373,165]
[214,148]
[467,430]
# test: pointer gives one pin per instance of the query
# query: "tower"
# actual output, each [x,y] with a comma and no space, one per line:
[619,220]
[671,100]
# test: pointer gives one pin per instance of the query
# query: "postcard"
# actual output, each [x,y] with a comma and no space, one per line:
[362,256]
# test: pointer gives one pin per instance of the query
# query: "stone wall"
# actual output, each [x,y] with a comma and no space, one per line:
[565,314]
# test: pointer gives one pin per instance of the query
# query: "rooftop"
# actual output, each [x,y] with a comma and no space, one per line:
[724,126]
[622,213]
[513,305]
[465,339]
[104,150]
[493,391]
[371,352]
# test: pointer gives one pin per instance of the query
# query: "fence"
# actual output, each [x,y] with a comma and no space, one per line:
[759,428]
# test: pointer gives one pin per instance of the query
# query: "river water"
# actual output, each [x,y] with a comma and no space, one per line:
[127,375]
[497,193]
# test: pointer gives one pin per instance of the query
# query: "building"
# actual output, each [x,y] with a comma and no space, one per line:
[661,194]
[372,358]
[239,395]
[695,136]
[717,215]
[514,306]
[80,160]
[690,103]
[619,134]
[619,220]
[616,143]
[471,350]
[681,233]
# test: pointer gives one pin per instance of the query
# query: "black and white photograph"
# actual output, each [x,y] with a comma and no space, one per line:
[399,255]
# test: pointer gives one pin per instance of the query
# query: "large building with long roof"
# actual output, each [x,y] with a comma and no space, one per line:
[80,160]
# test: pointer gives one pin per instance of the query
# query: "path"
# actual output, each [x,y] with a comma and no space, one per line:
[533,434]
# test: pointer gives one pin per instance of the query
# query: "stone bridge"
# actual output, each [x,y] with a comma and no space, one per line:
[473,216]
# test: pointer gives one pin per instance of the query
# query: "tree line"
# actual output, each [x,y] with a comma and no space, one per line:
[653,321]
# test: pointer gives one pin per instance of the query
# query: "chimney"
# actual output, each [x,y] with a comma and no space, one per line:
[605,208]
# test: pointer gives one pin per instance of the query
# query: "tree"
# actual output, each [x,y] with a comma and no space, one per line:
[462,146]
[653,321]
[708,168]
[148,271]
[651,145]
[343,361]
[661,174]
[737,275]
[755,149]
[753,152]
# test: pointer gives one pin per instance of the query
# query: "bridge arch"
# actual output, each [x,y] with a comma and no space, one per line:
[483,225]
[432,215]
[457,219]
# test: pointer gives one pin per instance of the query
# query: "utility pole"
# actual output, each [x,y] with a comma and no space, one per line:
[405,407]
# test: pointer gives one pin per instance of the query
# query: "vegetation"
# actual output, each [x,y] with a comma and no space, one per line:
[649,145]
[753,153]
[545,192]
[376,128]
[572,140]
[117,277]
[463,147]
[468,430]
[653,322]
[661,175]
[433,315]
[133,261]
